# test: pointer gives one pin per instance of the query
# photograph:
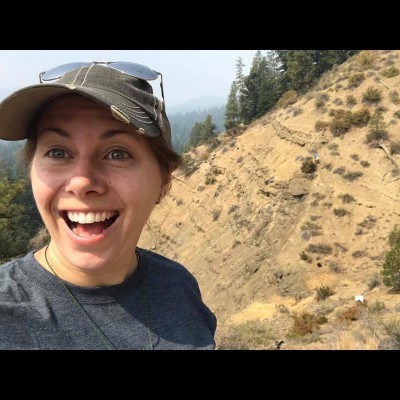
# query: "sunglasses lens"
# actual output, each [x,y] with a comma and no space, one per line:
[137,70]
[58,72]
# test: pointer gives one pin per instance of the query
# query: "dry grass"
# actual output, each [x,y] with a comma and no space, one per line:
[350,341]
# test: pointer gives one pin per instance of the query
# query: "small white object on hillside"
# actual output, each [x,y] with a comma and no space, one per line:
[359,298]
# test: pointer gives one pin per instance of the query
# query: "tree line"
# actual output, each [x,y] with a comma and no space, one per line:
[273,74]
[19,217]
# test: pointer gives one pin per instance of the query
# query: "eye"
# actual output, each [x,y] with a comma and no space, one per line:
[57,153]
[118,155]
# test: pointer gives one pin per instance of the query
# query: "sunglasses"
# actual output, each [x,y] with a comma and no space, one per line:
[132,69]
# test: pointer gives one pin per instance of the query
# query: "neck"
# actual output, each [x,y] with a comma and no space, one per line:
[53,262]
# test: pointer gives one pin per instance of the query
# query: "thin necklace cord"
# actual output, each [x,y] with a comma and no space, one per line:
[108,345]
[97,330]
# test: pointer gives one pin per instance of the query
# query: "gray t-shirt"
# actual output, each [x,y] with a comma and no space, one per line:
[159,306]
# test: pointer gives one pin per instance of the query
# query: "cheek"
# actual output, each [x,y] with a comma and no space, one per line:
[42,188]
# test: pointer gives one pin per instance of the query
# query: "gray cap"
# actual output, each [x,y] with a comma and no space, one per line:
[130,100]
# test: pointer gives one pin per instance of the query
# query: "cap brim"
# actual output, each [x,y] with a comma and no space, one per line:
[17,110]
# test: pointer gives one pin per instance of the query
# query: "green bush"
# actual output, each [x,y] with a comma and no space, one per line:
[189,165]
[351,100]
[394,236]
[341,122]
[372,95]
[361,118]
[287,99]
[341,212]
[391,269]
[323,292]
[377,127]
[394,97]
[392,328]
[356,80]
[390,72]
[365,163]
[352,176]
[347,198]
[377,135]
[395,147]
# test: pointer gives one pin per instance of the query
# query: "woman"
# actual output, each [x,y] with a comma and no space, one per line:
[99,156]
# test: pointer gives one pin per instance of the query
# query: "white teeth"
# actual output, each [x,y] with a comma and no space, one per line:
[90,217]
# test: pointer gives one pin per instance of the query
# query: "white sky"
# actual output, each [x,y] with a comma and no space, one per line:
[187,74]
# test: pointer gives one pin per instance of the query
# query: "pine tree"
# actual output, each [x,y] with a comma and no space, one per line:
[232,117]
[195,134]
[208,131]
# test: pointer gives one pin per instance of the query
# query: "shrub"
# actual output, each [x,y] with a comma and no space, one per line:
[215,215]
[394,97]
[374,281]
[247,336]
[377,135]
[333,146]
[341,122]
[306,323]
[323,292]
[395,147]
[319,103]
[392,328]
[359,254]
[340,171]
[391,270]
[394,236]
[376,306]
[356,80]
[341,212]
[321,126]
[351,100]
[305,257]
[287,99]
[319,248]
[365,164]
[309,166]
[352,176]
[361,118]
[372,95]
[355,157]
[396,114]
[188,165]
[353,313]
[390,72]
[347,198]
[366,59]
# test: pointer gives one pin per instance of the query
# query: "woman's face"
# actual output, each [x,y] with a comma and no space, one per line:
[95,182]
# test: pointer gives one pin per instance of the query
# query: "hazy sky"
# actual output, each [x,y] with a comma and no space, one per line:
[187,74]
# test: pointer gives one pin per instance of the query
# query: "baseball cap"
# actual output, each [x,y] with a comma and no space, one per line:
[117,86]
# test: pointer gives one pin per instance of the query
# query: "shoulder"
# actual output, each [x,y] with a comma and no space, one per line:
[12,278]
[165,268]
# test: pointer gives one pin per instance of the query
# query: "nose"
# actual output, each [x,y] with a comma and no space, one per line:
[85,179]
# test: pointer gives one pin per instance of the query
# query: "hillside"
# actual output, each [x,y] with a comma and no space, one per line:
[263,238]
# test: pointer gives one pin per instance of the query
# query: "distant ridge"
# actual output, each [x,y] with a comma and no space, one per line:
[198,103]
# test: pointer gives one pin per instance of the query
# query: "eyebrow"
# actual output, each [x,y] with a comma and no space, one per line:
[104,136]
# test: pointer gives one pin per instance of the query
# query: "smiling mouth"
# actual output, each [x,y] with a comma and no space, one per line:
[87,224]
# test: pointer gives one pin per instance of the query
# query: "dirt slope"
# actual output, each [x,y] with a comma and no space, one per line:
[241,221]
